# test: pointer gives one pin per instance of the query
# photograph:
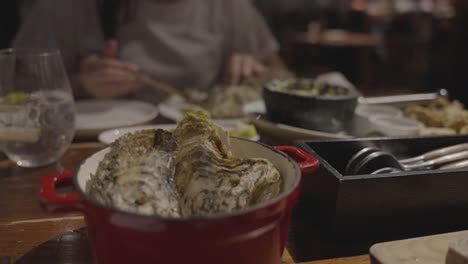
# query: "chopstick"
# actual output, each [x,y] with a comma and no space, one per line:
[145,78]
[160,86]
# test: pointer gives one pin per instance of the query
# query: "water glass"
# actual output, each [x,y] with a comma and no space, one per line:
[37,113]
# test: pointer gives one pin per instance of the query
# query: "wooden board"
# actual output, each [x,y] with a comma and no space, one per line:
[73,247]
[427,250]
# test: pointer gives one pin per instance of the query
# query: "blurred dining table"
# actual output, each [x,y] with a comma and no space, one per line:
[336,38]
[29,235]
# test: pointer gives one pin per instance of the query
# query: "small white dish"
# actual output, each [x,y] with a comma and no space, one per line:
[109,136]
[276,130]
[173,108]
[377,110]
[396,126]
[95,116]
[257,107]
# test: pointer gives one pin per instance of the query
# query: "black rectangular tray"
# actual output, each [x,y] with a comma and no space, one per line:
[358,210]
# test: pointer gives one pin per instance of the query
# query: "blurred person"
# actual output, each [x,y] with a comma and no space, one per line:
[185,43]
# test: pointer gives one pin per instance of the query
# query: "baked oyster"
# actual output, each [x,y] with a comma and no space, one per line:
[190,172]
[137,175]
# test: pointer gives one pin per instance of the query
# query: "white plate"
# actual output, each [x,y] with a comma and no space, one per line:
[173,109]
[369,111]
[109,136]
[255,107]
[290,132]
[95,116]
[396,126]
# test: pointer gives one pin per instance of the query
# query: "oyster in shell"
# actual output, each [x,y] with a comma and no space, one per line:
[137,175]
[190,172]
[210,179]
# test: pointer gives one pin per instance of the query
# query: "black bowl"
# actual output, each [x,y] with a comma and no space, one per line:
[323,113]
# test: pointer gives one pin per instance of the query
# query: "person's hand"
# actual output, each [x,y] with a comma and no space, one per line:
[242,67]
[106,77]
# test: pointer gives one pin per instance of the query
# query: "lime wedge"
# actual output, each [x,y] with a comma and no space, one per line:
[19,134]
[247,132]
[16,97]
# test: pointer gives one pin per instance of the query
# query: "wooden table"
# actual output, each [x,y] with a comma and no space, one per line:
[24,226]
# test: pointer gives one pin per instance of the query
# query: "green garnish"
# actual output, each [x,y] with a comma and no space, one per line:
[247,132]
[196,110]
[311,88]
[375,134]
[17,97]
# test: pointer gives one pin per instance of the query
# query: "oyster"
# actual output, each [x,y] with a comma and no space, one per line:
[210,179]
[190,172]
[137,175]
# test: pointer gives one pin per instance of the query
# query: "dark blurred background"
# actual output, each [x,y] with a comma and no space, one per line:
[398,45]
[383,46]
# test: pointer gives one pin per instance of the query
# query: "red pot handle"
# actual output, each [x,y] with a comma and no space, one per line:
[307,163]
[53,202]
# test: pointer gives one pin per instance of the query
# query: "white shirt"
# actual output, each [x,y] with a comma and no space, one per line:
[184,43]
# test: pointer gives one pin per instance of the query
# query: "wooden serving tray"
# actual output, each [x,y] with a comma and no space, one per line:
[427,250]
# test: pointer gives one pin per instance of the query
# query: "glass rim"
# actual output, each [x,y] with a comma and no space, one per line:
[33,52]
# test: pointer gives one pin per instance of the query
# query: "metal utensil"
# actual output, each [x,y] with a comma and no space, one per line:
[386,170]
[375,161]
[451,166]
[404,99]
[457,165]
[365,152]
[356,158]
[436,153]
[382,159]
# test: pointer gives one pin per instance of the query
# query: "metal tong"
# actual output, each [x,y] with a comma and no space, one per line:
[374,161]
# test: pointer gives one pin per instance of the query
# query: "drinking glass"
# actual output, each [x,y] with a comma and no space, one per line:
[37,112]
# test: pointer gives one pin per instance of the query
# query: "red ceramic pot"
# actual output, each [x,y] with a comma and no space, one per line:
[253,236]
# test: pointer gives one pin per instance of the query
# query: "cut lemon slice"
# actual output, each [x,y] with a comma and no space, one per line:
[19,134]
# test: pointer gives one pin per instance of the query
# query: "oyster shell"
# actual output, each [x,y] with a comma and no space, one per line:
[210,179]
[190,172]
[137,175]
